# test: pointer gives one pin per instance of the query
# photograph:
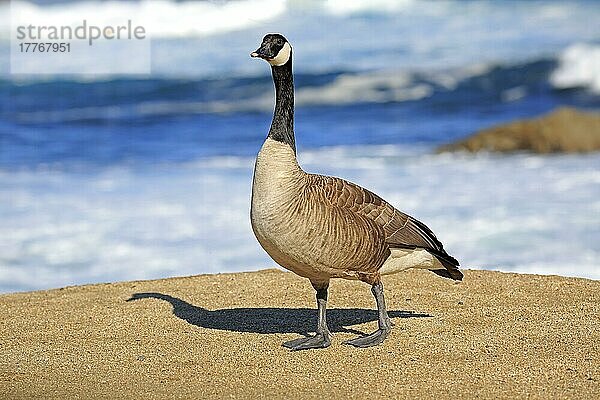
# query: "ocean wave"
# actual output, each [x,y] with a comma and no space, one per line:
[161,18]
[164,97]
[193,39]
[378,87]
[578,66]
[344,90]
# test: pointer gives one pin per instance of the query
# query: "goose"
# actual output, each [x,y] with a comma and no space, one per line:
[323,227]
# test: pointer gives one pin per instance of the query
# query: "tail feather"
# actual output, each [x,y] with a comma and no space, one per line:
[450,263]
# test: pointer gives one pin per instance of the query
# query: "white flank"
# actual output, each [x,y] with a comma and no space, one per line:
[403,259]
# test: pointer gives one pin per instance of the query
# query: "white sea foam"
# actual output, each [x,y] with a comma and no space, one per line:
[513,94]
[518,213]
[378,87]
[349,7]
[161,18]
[198,39]
[579,66]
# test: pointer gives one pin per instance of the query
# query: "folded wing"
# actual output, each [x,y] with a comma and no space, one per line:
[401,230]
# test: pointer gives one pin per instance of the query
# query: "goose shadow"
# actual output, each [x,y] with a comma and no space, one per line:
[271,319]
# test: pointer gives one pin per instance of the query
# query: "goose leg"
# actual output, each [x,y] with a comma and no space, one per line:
[385,325]
[322,337]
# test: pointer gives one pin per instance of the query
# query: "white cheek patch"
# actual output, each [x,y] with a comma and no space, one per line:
[282,57]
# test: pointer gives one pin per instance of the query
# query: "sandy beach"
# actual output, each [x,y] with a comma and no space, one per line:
[219,336]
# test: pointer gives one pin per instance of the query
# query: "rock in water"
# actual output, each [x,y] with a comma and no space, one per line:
[565,130]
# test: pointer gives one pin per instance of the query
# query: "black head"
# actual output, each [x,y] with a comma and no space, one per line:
[275,49]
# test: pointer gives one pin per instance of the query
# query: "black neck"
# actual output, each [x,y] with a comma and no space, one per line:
[282,127]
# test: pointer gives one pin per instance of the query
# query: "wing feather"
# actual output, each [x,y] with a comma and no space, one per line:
[401,230]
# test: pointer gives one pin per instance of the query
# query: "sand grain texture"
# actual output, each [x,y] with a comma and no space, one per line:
[219,336]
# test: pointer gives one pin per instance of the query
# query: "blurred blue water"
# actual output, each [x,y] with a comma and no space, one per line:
[171,120]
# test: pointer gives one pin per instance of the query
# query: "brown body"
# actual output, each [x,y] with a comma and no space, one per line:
[324,227]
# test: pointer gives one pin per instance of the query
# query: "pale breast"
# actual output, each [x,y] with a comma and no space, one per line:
[302,233]
[277,178]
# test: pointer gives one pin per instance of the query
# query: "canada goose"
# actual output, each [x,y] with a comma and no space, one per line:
[322,227]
